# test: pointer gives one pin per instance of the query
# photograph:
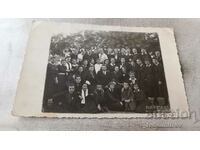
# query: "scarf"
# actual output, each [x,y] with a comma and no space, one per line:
[84,94]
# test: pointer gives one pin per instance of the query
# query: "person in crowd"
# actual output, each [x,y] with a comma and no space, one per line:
[116,75]
[88,103]
[117,56]
[127,54]
[98,65]
[90,76]
[140,73]
[71,102]
[107,63]
[113,98]
[148,79]
[131,66]
[85,64]
[51,84]
[135,54]
[78,83]
[99,96]
[122,62]
[74,53]
[160,89]
[68,63]
[89,55]
[104,76]
[102,55]
[140,99]
[132,79]
[110,53]
[144,55]
[127,97]
[80,72]
[92,62]
[124,74]
[66,101]
[80,55]
[74,66]
[112,64]
[62,76]
[158,56]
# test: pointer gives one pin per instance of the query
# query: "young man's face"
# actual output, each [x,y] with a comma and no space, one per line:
[78,80]
[112,86]
[99,87]
[63,62]
[138,61]
[157,53]
[116,68]
[71,89]
[134,51]
[103,68]
[112,60]
[80,69]
[91,68]
[122,60]
[126,85]
[84,86]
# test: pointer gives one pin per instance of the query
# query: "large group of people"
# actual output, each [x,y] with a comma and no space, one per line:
[103,79]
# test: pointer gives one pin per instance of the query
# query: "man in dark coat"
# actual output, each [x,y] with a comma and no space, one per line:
[116,75]
[66,101]
[113,98]
[112,64]
[140,73]
[62,76]
[149,79]
[160,88]
[90,76]
[99,96]
[140,99]
[104,76]
[87,103]
[78,83]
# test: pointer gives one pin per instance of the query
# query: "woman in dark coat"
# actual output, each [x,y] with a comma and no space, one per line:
[51,83]
[148,79]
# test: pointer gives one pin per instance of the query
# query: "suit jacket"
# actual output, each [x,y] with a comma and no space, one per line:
[104,79]
[88,77]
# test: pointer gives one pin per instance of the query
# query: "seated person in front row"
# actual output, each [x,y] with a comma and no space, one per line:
[87,104]
[128,97]
[99,97]
[66,101]
[113,98]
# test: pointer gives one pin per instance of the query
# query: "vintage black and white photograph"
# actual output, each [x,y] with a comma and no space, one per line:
[80,70]
[95,71]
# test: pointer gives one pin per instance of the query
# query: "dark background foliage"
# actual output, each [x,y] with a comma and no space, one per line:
[112,39]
